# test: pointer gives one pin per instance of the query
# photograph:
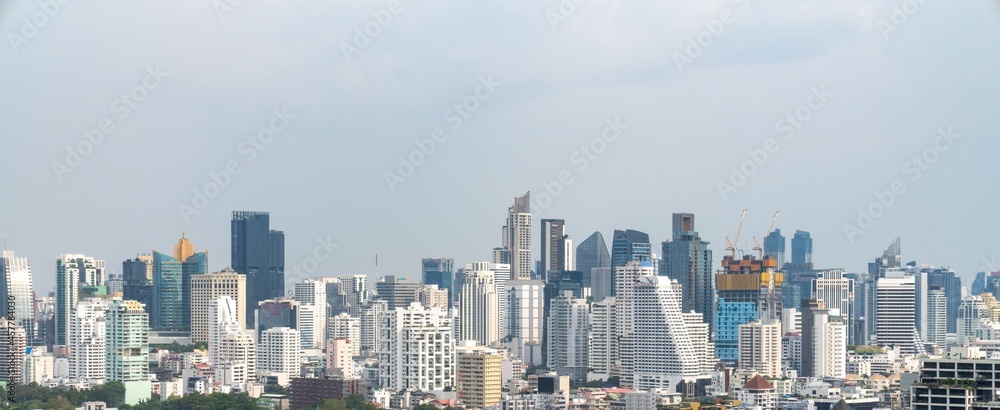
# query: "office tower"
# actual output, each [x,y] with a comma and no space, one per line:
[837,292]
[311,295]
[440,272]
[602,352]
[774,245]
[972,314]
[397,291]
[272,313]
[12,347]
[516,234]
[704,348]
[593,253]
[205,289]
[479,308]
[978,284]
[137,282]
[340,357]
[568,325]
[749,289]
[809,328]
[802,249]
[127,349]
[760,348]
[15,288]
[172,285]
[370,317]
[824,341]
[223,319]
[345,326]
[937,317]
[258,252]
[416,349]
[628,246]
[279,351]
[688,260]
[890,260]
[655,349]
[554,250]
[525,318]
[432,296]
[895,308]
[949,282]
[71,271]
[478,376]
[87,343]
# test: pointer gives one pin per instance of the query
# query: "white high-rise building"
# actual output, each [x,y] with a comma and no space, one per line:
[369,326]
[525,307]
[832,288]
[223,319]
[87,342]
[12,347]
[344,326]
[895,310]
[937,317]
[479,306]
[760,348]
[791,320]
[501,274]
[355,289]
[829,344]
[311,295]
[71,271]
[38,363]
[568,336]
[208,287]
[15,288]
[127,349]
[516,247]
[416,349]
[602,351]
[704,348]
[972,316]
[431,296]
[238,353]
[279,351]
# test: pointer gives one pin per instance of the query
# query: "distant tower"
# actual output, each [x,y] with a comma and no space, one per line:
[15,288]
[71,271]
[87,347]
[311,295]
[12,348]
[568,336]
[279,351]
[774,245]
[127,349]
[479,309]
[802,250]
[440,272]
[593,253]
[688,260]
[516,234]
[628,246]
[259,253]
[205,289]
[895,309]
[172,285]
[553,249]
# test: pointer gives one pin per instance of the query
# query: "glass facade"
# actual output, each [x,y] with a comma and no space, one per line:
[259,253]
[628,246]
[172,283]
[728,319]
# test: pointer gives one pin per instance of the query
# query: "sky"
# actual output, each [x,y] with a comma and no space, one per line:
[405,129]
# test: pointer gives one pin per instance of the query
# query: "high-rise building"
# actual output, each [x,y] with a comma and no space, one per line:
[972,314]
[38,364]
[802,250]
[749,289]
[479,309]
[127,349]
[345,326]
[568,325]
[978,284]
[774,245]
[222,320]
[272,313]
[370,317]
[890,260]
[71,271]
[279,351]
[205,289]
[837,292]
[397,291]
[701,342]
[593,253]
[432,296]
[824,341]
[440,272]
[172,285]
[340,357]
[525,317]
[688,260]
[602,352]
[791,351]
[311,295]
[258,252]
[937,317]
[516,235]
[347,293]
[895,308]
[87,342]
[478,375]
[12,348]
[15,288]
[137,282]
[237,360]
[760,348]
[416,349]
[556,250]
[628,246]
[949,283]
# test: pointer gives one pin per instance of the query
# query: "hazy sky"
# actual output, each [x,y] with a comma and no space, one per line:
[840,96]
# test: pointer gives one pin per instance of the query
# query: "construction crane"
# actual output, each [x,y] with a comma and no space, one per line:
[756,245]
[730,246]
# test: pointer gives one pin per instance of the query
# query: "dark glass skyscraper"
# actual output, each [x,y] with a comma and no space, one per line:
[774,245]
[592,253]
[137,283]
[947,280]
[628,246]
[688,260]
[259,253]
[440,272]
[553,246]
[172,285]
[802,250]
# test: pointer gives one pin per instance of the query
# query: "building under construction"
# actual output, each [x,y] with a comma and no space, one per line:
[749,289]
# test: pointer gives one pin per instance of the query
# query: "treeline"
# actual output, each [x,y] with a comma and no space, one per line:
[34,396]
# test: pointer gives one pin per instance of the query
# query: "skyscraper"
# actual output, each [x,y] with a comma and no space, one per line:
[127,349]
[272,313]
[71,271]
[440,272]
[396,290]
[525,318]
[774,245]
[259,253]
[479,309]
[602,352]
[628,246]
[516,235]
[416,350]
[760,347]
[311,295]
[688,260]
[568,325]
[222,320]
[279,351]
[15,288]
[749,289]
[593,253]
[949,283]
[556,247]
[890,259]
[345,326]
[895,309]
[802,249]
[172,285]
[478,376]
[937,317]
[87,341]
[12,348]
[205,289]
[137,282]
[837,292]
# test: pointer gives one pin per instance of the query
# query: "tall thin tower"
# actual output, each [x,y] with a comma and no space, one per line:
[516,247]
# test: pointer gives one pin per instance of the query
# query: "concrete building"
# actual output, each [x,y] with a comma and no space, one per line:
[369,326]
[758,394]
[687,259]
[478,375]
[340,357]
[222,320]
[760,348]
[279,351]
[602,352]
[311,295]
[432,296]
[12,348]
[836,291]
[127,349]
[416,349]
[953,384]
[701,342]
[87,342]
[568,336]
[71,270]
[16,290]
[397,291]
[238,352]
[208,287]
[346,327]
[524,311]
[479,309]
[515,248]
[895,310]
[937,317]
